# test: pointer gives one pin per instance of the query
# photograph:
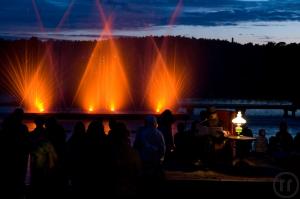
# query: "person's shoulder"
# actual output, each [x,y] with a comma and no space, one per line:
[158,132]
[290,135]
[140,130]
[220,123]
[179,135]
[24,127]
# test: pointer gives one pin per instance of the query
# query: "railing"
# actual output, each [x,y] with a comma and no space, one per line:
[191,104]
[243,105]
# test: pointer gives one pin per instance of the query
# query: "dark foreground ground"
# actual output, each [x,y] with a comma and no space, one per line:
[252,178]
[255,179]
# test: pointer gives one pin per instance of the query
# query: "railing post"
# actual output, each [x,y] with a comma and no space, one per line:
[190,110]
[294,112]
[286,112]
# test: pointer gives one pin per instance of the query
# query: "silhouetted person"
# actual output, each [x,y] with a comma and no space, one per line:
[112,123]
[273,146]
[38,134]
[14,155]
[280,145]
[261,143]
[284,138]
[75,158]
[125,163]
[212,142]
[96,161]
[150,144]
[197,145]
[245,147]
[212,118]
[56,135]
[165,121]
[112,126]
[44,162]
[297,142]
[182,142]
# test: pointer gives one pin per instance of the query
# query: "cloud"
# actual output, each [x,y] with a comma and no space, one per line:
[139,13]
[59,3]
[244,32]
[19,15]
[253,0]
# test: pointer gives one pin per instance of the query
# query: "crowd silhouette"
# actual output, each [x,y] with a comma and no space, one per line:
[42,163]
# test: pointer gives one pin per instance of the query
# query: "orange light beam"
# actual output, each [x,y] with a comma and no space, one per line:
[105,66]
[103,18]
[162,83]
[107,26]
[38,16]
[27,83]
[49,48]
[61,22]
[87,70]
[176,12]
[173,82]
[66,14]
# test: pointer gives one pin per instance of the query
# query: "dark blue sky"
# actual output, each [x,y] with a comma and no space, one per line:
[246,20]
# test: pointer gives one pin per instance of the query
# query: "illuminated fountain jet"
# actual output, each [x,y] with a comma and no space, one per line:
[29,82]
[57,75]
[104,86]
[31,77]
[165,83]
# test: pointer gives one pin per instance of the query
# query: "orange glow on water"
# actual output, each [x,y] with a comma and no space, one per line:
[104,84]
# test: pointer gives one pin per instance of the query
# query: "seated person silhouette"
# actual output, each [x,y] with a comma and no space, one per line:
[212,124]
[215,138]
[212,118]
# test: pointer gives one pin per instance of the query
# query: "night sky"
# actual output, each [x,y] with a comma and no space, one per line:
[257,21]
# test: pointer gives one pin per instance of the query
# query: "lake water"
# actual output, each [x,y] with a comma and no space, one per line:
[255,122]
[256,119]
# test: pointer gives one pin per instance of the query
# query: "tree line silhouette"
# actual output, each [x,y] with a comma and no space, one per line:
[212,68]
